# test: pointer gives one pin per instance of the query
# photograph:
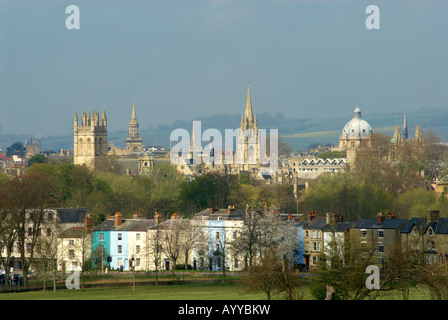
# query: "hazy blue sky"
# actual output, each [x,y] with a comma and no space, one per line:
[182,59]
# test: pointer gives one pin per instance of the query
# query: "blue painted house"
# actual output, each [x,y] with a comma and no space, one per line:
[117,241]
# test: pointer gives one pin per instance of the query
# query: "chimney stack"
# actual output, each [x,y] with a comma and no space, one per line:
[391,215]
[230,209]
[158,218]
[118,219]
[312,215]
[380,217]
[433,215]
[175,215]
[137,215]
[88,225]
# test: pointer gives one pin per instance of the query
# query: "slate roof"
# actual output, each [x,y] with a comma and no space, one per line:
[223,214]
[440,226]
[126,225]
[365,223]
[75,232]
[418,222]
[339,226]
[317,223]
[71,215]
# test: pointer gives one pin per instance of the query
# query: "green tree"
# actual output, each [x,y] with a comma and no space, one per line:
[39,158]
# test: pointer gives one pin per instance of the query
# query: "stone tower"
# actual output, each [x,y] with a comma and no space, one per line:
[134,140]
[248,155]
[90,138]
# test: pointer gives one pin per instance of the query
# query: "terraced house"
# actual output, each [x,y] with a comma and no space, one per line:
[381,233]
[119,243]
[427,236]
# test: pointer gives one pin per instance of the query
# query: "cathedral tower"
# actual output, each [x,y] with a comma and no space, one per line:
[90,138]
[134,140]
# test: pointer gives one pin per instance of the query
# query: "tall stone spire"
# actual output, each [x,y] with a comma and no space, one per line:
[134,117]
[405,127]
[248,114]
[134,140]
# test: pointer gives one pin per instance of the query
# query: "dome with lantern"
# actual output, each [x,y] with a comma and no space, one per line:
[356,132]
[357,128]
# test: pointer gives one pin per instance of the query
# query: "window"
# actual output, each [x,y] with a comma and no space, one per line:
[316,246]
[380,248]
[414,232]
[363,233]
[137,262]
[120,248]
[71,253]
[71,242]
[217,235]
[101,236]
[380,234]
[430,231]
[137,249]
[137,237]
[120,237]
[235,264]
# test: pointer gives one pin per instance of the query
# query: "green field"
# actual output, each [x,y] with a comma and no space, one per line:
[227,291]
[162,292]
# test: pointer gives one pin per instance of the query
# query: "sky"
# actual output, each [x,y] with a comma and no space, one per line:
[181,59]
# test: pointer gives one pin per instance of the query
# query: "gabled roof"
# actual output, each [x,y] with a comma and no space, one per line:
[419,223]
[440,226]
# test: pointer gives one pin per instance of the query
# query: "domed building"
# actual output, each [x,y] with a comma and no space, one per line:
[356,132]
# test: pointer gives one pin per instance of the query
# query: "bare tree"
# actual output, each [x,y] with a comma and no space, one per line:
[155,248]
[172,238]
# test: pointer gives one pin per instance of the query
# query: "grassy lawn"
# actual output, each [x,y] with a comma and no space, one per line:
[166,292]
[226,291]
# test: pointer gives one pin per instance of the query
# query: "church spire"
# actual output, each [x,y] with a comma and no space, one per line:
[133,112]
[405,127]
[248,114]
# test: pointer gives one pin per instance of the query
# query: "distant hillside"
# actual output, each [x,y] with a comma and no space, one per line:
[301,133]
